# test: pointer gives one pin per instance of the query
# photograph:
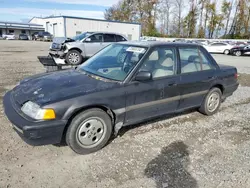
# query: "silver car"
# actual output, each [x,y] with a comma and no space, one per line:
[77,49]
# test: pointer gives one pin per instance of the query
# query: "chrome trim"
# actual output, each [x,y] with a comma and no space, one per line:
[170,99]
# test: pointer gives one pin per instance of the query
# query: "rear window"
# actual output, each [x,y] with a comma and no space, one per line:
[120,38]
[109,38]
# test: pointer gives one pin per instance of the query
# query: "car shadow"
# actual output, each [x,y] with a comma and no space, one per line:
[169,168]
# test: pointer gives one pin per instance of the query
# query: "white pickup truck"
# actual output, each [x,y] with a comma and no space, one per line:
[9,36]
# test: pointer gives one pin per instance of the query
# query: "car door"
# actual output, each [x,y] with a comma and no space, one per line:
[93,44]
[197,76]
[159,95]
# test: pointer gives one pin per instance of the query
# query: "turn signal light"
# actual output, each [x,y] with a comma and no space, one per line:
[49,114]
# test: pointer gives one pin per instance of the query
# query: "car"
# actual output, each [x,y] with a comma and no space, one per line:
[77,49]
[219,47]
[42,36]
[34,36]
[240,50]
[9,36]
[23,37]
[124,84]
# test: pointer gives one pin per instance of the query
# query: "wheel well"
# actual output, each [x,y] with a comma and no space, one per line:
[220,87]
[77,49]
[104,108]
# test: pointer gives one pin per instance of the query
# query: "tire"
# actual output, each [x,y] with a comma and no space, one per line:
[238,53]
[89,131]
[74,57]
[210,106]
[226,52]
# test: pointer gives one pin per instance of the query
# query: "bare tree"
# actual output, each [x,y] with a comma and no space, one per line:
[179,4]
[164,10]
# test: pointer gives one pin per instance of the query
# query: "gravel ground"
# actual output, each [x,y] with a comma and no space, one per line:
[182,151]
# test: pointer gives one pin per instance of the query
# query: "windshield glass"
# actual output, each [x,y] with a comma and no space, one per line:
[114,62]
[81,36]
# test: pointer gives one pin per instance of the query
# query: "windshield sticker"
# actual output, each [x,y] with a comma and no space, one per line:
[136,50]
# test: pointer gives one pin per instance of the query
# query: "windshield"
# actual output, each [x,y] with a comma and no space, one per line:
[114,62]
[81,36]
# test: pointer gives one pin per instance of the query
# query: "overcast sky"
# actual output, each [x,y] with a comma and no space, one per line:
[23,10]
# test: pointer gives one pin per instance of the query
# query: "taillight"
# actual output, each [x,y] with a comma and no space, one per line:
[236,75]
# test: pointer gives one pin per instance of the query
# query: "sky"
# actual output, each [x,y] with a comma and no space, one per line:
[24,10]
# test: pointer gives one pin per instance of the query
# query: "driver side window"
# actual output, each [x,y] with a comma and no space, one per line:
[162,62]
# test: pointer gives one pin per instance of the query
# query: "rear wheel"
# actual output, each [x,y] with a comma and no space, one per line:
[226,52]
[74,57]
[212,102]
[238,53]
[89,131]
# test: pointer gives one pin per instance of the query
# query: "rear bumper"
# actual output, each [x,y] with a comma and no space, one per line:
[33,132]
[228,91]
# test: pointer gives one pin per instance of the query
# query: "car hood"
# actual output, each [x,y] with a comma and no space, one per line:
[62,40]
[52,87]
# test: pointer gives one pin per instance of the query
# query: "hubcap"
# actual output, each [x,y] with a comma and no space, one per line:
[238,53]
[213,102]
[74,57]
[91,132]
[226,52]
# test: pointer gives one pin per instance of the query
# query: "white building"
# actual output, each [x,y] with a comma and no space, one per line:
[68,26]
[18,28]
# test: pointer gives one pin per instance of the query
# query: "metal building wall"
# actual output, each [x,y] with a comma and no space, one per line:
[54,25]
[75,26]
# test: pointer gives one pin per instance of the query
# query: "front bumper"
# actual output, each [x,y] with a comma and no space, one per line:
[33,132]
[57,53]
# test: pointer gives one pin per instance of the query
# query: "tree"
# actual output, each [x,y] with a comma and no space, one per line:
[201,32]
[207,7]
[191,19]
[179,5]
[226,10]
[164,10]
[123,11]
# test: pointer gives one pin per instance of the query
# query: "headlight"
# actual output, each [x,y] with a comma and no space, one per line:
[34,111]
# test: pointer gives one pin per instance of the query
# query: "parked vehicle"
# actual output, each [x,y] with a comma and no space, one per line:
[34,36]
[123,84]
[74,51]
[9,36]
[42,36]
[240,50]
[23,37]
[219,47]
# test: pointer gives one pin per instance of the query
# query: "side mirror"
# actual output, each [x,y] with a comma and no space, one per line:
[88,40]
[143,76]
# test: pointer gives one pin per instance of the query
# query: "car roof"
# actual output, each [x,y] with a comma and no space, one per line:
[156,43]
[103,32]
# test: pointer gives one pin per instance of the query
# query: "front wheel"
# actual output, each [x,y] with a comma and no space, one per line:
[89,131]
[226,52]
[238,53]
[74,57]
[212,102]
